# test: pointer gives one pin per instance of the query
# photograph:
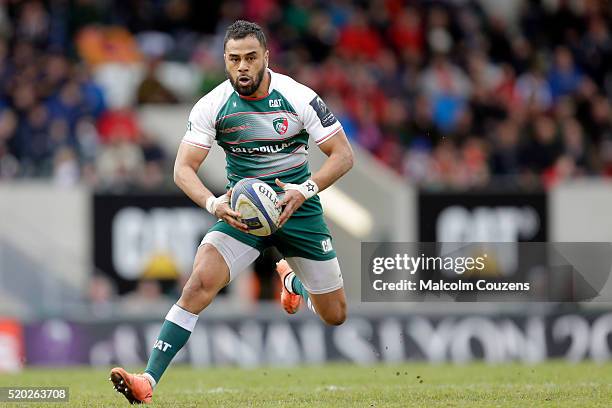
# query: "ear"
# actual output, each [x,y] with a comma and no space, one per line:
[267,57]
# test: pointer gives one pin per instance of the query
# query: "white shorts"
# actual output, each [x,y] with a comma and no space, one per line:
[318,277]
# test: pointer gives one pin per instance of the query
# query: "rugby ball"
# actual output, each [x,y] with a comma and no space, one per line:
[256,202]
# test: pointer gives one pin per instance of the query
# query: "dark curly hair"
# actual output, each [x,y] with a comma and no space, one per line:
[241,29]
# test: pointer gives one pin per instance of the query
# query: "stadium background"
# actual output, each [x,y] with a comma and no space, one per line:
[498,111]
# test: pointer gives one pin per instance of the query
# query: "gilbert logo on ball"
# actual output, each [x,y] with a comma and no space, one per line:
[281,125]
[256,202]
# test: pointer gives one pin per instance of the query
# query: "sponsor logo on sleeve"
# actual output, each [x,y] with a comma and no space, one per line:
[326,117]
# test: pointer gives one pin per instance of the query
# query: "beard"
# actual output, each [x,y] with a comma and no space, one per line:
[247,90]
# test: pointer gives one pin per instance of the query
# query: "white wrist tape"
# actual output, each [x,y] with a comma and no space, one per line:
[213,202]
[308,188]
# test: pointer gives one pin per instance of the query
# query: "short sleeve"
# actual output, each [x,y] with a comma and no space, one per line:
[318,120]
[201,126]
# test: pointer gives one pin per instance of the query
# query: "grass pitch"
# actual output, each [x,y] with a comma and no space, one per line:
[554,384]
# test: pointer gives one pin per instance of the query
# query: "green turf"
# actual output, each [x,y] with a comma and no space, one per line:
[554,384]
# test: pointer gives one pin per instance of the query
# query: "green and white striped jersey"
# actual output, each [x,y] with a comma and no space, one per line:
[264,137]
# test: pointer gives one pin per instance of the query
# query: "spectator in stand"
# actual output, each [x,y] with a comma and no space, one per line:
[358,39]
[599,119]
[154,162]
[35,144]
[101,294]
[533,90]
[119,123]
[120,163]
[506,157]
[448,89]
[9,165]
[605,158]
[406,33]
[564,77]
[151,90]
[65,167]
[543,148]
[146,299]
[574,145]
[595,50]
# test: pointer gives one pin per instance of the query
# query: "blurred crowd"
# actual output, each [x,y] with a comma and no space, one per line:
[459,94]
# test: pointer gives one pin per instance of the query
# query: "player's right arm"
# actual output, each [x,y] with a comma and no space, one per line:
[192,151]
[188,160]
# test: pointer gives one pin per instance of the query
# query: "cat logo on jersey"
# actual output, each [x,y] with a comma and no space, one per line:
[281,125]
[326,245]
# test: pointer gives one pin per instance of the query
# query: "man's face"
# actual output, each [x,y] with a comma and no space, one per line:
[245,64]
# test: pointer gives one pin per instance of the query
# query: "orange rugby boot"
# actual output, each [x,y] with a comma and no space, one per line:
[135,387]
[289,301]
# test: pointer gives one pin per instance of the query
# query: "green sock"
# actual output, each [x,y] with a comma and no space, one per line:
[298,288]
[174,334]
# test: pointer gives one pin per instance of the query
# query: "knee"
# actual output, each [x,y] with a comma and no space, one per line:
[194,289]
[195,296]
[198,290]
[336,316]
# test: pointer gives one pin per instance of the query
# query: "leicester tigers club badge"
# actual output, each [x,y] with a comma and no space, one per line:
[281,125]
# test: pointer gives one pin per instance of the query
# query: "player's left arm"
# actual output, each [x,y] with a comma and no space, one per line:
[339,161]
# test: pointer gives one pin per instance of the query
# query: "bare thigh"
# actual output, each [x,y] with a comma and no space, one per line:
[210,274]
[331,307]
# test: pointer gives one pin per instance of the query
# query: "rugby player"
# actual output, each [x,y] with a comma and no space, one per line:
[263,121]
